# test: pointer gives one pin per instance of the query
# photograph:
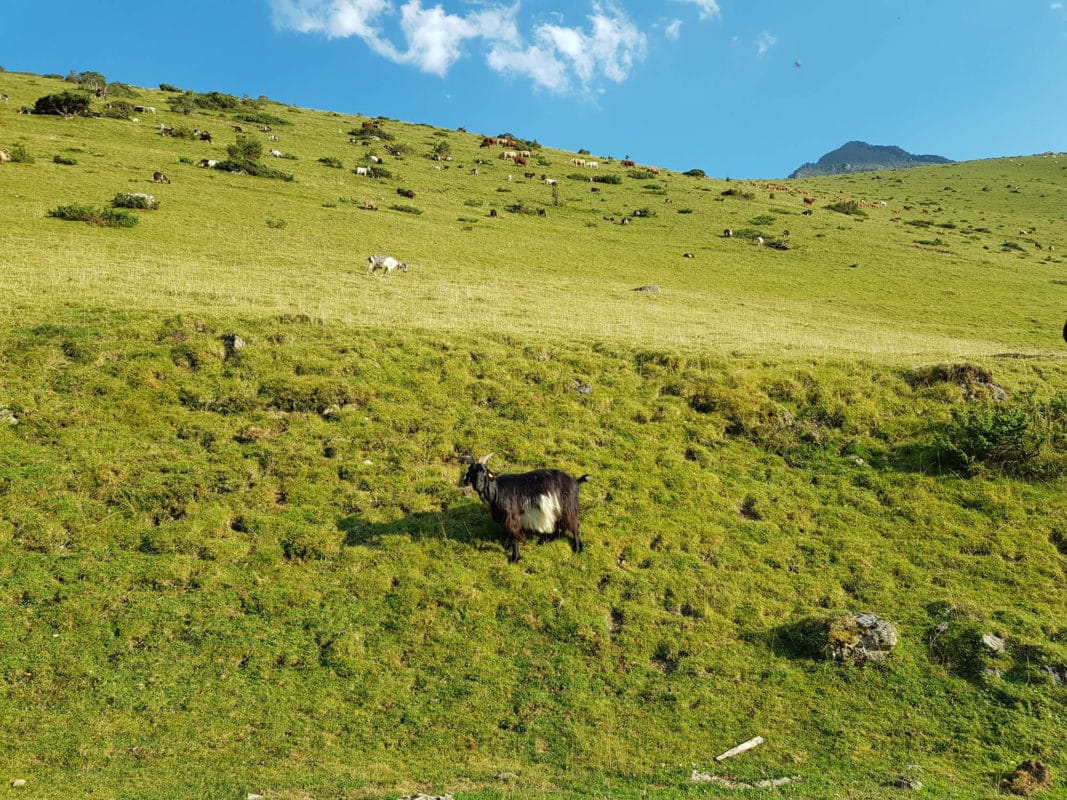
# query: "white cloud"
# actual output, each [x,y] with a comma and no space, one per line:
[674,30]
[1056,6]
[765,42]
[708,8]
[556,57]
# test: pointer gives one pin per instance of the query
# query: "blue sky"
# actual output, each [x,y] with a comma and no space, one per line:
[738,88]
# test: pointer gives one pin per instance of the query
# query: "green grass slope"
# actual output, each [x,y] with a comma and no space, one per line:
[225,573]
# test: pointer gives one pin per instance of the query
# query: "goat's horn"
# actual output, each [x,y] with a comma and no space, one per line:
[483,459]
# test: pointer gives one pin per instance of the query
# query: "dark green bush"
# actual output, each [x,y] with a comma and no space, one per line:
[119,109]
[63,104]
[135,200]
[641,174]
[58,159]
[695,173]
[104,217]
[406,209]
[260,118]
[739,193]
[850,207]
[19,155]
[168,87]
[330,161]
[246,148]
[254,168]
[612,179]
[1025,437]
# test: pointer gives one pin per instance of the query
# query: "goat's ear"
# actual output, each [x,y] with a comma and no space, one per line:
[467,459]
[483,459]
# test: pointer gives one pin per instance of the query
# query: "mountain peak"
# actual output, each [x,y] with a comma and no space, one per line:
[859,156]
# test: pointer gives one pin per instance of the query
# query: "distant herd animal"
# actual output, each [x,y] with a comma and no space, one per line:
[385,264]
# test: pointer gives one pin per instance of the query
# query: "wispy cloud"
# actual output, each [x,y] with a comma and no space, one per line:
[555,57]
[708,8]
[765,42]
[674,30]
[1056,6]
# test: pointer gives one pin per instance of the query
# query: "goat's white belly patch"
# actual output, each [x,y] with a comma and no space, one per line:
[541,517]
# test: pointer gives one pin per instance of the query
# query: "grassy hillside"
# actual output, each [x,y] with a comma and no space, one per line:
[231,572]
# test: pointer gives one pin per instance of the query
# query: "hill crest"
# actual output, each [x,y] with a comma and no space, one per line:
[859,156]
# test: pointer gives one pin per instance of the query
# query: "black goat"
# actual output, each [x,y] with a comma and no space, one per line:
[544,501]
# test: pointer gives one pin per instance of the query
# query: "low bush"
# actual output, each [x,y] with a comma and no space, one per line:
[849,207]
[19,155]
[330,161]
[741,194]
[1025,437]
[254,168]
[406,209]
[611,179]
[119,109]
[135,200]
[695,173]
[276,224]
[104,217]
[58,159]
[168,87]
[63,104]
[260,118]
[641,174]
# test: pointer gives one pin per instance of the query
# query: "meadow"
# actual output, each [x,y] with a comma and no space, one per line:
[246,571]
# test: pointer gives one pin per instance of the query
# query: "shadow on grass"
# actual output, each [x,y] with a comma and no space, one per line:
[468,524]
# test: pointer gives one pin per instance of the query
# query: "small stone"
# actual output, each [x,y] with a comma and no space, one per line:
[649,288]
[18,783]
[906,782]
[7,417]
[367,462]
[994,643]
[582,387]
[506,776]
[253,796]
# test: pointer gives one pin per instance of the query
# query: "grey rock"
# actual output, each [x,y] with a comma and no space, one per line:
[994,643]
[907,782]
[233,344]
[860,638]
[650,288]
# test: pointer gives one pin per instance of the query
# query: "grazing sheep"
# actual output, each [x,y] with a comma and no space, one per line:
[544,501]
[159,177]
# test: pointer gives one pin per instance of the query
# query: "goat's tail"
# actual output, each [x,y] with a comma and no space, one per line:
[584,478]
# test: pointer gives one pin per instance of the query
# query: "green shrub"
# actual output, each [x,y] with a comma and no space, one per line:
[330,161]
[406,209]
[850,207]
[168,87]
[254,168]
[612,179]
[246,148]
[260,118]
[276,224]
[641,174]
[122,90]
[1025,437]
[695,173]
[19,155]
[63,104]
[118,109]
[135,200]
[740,194]
[58,159]
[104,217]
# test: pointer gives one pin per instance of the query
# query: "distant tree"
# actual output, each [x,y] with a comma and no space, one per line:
[64,104]
[695,173]
[168,87]
[91,81]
